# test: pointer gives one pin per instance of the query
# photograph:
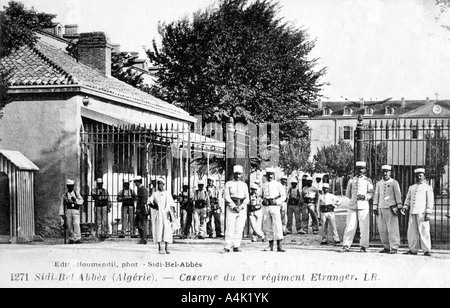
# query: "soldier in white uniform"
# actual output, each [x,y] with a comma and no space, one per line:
[236,197]
[327,204]
[420,203]
[386,206]
[273,194]
[359,191]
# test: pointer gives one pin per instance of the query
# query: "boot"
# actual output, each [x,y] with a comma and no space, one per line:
[270,248]
[280,246]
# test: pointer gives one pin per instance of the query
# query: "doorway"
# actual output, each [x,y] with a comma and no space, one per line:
[5,225]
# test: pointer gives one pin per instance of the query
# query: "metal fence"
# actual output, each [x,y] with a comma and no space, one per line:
[407,145]
[179,153]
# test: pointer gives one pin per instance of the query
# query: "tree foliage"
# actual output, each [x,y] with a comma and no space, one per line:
[239,61]
[294,155]
[17,28]
[122,69]
[437,156]
[336,160]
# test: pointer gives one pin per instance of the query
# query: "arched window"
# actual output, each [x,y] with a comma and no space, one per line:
[348,111]
[327,111]
[368,111]
[390,110]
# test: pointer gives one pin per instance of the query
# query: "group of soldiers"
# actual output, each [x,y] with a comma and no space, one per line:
[387,201]
[269,207]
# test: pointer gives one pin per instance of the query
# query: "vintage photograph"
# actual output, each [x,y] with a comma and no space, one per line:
[224,144]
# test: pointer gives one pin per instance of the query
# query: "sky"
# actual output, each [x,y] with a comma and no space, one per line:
[373,49]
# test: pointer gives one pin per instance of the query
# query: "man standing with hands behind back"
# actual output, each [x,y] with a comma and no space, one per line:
[386,206]
[420,203]
[237,198]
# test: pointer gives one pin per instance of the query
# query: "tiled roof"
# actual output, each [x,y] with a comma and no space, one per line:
[379,108]
[45,65]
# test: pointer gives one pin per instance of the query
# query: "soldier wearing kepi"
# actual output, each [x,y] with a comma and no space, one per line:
[256,213]
[359,191]
[420,203]
[70,212]
[141,209]
[386,206]
[294,207]
[236,200]
[102,208]
[127,196]
[201,209]
[273,194]
[310,197]
[216,211]
[327,204]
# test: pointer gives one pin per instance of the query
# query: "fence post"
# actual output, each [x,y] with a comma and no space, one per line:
[359,140]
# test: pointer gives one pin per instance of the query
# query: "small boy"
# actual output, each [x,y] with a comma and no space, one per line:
[327,204]
[256,213]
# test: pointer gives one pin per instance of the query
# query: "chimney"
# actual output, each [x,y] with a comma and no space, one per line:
[320,104]
[116,47]
[94,50]
[403,103]
[428,100]
[71,32]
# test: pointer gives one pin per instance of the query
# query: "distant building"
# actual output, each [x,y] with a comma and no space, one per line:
[337,121]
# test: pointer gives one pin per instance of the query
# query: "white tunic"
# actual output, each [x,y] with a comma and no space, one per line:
[161,225]
[272,190]
[387,194]
[420,199]
[360,186]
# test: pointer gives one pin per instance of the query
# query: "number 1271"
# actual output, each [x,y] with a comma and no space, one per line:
[19,277]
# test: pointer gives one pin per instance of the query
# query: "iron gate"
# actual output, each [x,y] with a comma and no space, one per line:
[118,153]
[407,145]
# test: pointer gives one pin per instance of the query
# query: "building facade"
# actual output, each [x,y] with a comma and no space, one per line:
[55,97]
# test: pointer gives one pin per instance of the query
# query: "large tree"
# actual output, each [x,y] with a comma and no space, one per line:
[17,28]
[238,61]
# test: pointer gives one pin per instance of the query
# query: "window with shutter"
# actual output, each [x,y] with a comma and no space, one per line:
[348,130]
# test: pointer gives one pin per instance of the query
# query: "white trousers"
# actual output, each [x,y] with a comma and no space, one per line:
[200,222]
[272,225]
[329,221]
[256,223]
[284,217]
[353,217]
[419,233]
[235,223]
[389,229]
